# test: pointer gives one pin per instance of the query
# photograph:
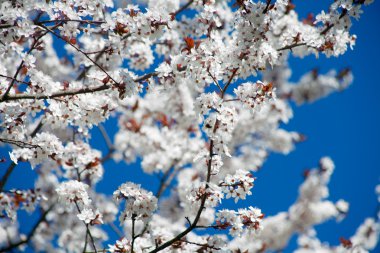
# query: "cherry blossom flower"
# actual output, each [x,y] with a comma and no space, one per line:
[238,185]
[120,246]
[73,192]
[254,95]
[140,204]
[86,215]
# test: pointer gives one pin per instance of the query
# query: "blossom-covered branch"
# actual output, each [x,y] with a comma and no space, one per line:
[198,93]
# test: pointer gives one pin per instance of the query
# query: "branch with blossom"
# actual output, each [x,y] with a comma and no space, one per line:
[200,90]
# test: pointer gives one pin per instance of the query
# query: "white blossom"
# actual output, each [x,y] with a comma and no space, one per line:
[254,94]
[86,215]
[73,192]
[140,204]
[237,186]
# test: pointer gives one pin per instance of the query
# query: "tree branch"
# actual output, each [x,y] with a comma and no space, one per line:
[20,144]
[73,92]
[96,22]
[323,32]
[106,137]
[133,233]
[166,181]
[183,8]
[208,178]
[19,81]
[292,46]
[31,233]
[22,63]
[11,167]
[229,82]
[88,232]
[205,245]
[215,81]
[7,174]
[81,51]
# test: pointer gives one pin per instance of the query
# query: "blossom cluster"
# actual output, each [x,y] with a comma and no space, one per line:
[253,95]
[120,246]
[250,219]
[75,192]
[16,199]
[238,185]
[140,203]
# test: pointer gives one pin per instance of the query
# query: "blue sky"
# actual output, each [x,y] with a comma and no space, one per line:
[344,126]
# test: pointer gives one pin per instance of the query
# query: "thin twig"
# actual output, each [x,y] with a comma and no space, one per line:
[291,46]
[106,137]
[205,245]
[166,181]
[72,20]
[208,178]
[267,7]
[198,215]
[133,233]
[22,64]
[19,81]
[328,27]
[11,167]
[7,174]
[81,51]
[85,240]
[87,229]
[7,26]
[31,233]
[85,90]
[116,230]
[231,100]
[323,32]
[210,226]
[183,8]
[83,73]
[92,240]
[162,182]
[215,81]
[20,144]
[229,82]
[108,156]
[15,76]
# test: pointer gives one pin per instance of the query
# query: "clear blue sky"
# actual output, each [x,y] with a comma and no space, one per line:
[344,126]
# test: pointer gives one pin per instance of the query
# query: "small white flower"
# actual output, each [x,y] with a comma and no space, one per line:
[254,95]
[140,204]
[238,185]
[342,206]
[207,101]
[86,215]
[73,191]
